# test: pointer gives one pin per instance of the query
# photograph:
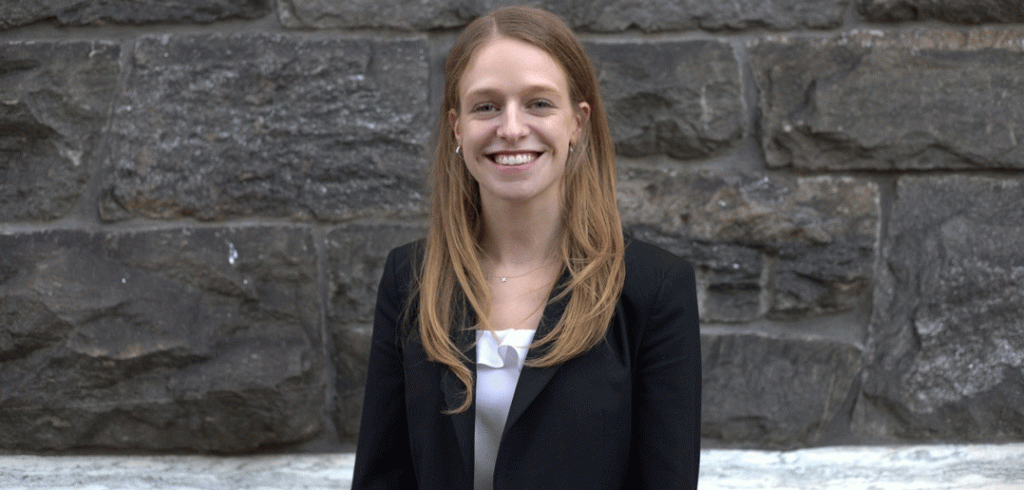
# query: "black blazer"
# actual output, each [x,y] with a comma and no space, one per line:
[625,415]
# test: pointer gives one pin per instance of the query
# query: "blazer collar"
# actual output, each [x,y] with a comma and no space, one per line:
[454,392]
[531,380]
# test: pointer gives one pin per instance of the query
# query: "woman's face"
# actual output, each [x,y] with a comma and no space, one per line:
[516,122]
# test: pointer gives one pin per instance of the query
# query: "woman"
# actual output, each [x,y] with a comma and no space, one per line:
[526,343]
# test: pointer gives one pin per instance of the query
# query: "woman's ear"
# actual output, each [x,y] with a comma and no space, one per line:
[582,117]
[453,121]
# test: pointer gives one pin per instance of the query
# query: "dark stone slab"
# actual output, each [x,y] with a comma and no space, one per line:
[183,339]
[355,256]
[666,15]
[219,126]
[599,15]
[780,247]
[770,392]
[681,99]
[946,346]
[92,12]
[954,11]
[55,99]
[913,101]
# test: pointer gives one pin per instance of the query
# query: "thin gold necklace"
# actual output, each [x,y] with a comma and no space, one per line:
[506,278]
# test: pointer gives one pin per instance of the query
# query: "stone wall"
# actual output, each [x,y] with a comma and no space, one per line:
[196,202]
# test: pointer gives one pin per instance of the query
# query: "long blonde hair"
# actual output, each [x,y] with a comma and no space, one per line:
[451,279]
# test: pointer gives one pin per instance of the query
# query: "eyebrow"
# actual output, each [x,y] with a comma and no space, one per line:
[532,89]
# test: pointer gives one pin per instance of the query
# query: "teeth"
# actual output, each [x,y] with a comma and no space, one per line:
[517,159]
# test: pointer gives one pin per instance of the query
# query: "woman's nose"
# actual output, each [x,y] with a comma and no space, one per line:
[512,125]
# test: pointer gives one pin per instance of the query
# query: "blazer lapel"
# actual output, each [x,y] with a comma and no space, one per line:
[454,393]
[533,380]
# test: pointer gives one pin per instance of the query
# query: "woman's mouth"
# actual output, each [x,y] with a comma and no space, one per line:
[513,159]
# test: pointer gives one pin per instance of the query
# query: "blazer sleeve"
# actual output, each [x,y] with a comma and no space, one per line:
[383,458]
[665,451]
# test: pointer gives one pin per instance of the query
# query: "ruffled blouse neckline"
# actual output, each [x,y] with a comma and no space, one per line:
[503,348]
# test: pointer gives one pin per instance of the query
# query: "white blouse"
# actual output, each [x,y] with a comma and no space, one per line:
[499,359]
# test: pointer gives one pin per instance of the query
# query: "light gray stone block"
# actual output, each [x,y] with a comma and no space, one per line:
[91,12]
[181,339]
[55,100]
[764,246]
[946,345]
[773,392]
[681,99]
[599,15]
[917,100]
[935,467]
[219,126]
[957,11]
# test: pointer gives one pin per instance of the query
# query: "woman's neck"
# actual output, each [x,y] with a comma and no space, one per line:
[519,235]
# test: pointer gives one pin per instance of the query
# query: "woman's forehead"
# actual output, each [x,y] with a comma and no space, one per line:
[505,63]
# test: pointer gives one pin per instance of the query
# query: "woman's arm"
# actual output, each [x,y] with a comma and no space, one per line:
[665,451]
[383,459]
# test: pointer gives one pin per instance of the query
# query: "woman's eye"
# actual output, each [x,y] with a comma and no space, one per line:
[484,107]
[542,104]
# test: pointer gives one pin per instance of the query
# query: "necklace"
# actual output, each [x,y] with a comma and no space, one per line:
[506,278]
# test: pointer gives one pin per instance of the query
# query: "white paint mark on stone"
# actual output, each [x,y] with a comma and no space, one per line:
[74,155]
[232,253]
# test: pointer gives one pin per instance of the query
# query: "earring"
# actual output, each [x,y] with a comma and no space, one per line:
[458,148]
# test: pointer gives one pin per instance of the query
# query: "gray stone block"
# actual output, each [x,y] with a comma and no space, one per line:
[54,103]
[599,15]
[182,339]
[219,126]
[666,15]
[764,246]
[682,99]
[920,100]
[773,392]
[946,345]
[956,11]
[92,12]
[355,256]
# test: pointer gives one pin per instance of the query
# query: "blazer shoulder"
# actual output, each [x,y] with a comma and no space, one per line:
[648,266]
[407,257]
[655,275]
[401,267]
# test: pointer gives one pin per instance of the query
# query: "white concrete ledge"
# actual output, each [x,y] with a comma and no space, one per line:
[938,467]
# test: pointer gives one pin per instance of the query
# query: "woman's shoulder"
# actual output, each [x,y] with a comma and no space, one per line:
[649,267]
[409,253]
[646,259]
[402,263]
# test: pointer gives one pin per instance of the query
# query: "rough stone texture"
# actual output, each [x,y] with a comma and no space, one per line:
[598,15]
[331,471]
[911,101]
[946,350]
[682,99]
[192,339]
[773,392]
[55,99]
[931,467]
[775,246]
[902,467]
[661,15]
[355,256]
[217,126]
[956,11]
[91,12]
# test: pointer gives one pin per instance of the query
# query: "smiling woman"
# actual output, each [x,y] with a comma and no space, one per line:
[526,343]
[516,123]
